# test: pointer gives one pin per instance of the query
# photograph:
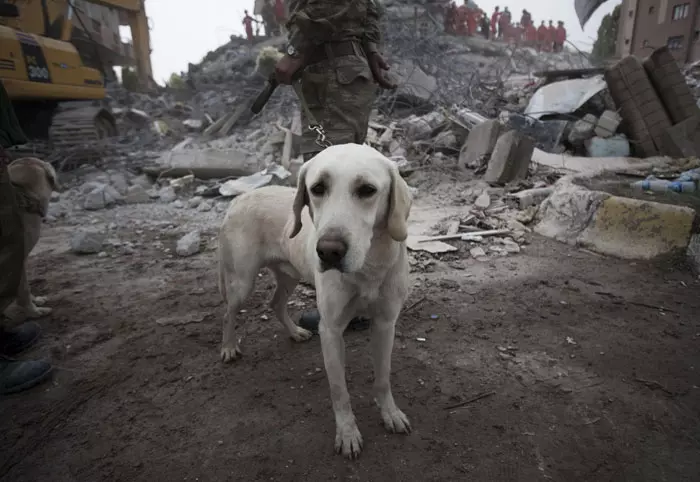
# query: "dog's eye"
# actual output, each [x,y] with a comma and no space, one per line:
[318,189]
[366,190]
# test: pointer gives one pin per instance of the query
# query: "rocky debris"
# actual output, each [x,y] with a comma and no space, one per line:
[167,194]
[583,129]
[510,159]
[136,194]
[87,242]
[99,196]
[189,244]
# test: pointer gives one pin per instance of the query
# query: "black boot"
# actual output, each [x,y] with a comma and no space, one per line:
[311,319]
[18,339]
[19,375]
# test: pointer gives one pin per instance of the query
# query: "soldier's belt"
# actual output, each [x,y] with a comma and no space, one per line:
[338,49]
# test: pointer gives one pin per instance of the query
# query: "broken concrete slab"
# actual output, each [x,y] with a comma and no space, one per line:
[419,243]
[205,163]
[636,229]
[414,84]
[683,139]
[136,194]
[567,211]
[274,174]
[607,124]
[510,159]
[480,143]
[613,225]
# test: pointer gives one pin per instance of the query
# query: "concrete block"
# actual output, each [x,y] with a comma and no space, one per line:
[510,159]
[670,84]
[616,146]
[607,124]
[683,139]
[480,143]
[567,211]
[635,229]
[583,129]
[645,117]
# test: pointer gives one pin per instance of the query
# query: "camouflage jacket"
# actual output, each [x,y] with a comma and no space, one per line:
[314,22]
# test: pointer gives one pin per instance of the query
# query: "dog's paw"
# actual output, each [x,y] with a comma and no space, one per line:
[348,440]
[301,334]
[230,354]
[395,421]
[38,311]
[39,300]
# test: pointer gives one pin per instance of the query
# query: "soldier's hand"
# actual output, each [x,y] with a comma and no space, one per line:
[379,67]
[287,67]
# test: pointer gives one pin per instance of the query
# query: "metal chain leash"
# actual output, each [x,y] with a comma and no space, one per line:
[321,139]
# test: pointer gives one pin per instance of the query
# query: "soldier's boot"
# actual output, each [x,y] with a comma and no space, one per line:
[311,319]
[20,375]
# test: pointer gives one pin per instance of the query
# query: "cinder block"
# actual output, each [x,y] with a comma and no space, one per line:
[683,139]
[607,124]
[634,229]
[510,159]
[670,85]
[645,117]
[480,143]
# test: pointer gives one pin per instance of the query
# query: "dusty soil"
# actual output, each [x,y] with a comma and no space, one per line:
[586,368]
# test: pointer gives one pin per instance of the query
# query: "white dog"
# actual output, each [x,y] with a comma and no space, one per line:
[34,180]
[350,243]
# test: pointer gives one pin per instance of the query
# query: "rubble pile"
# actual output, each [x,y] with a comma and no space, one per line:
[497,117]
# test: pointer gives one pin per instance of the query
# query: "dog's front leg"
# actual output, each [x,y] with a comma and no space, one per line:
[382,343]
[335,317]
[23,306]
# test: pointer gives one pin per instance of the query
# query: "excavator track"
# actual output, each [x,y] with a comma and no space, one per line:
[78,135]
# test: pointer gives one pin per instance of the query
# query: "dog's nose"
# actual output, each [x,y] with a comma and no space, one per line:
[331,251]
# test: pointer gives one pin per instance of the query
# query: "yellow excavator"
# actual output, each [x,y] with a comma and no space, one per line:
[55,95]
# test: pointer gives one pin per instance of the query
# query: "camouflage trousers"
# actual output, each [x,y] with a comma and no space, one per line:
[339,93]
[11,238]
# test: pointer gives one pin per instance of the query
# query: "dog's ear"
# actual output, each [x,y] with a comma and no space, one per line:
[300,200]
[51,175]
[399,205]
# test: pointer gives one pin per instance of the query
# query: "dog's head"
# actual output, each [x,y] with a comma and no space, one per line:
[354,195]
[36,176]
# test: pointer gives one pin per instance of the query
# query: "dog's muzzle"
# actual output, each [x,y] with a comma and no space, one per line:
[331,251]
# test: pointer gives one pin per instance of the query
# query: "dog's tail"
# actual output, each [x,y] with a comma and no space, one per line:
[51,175]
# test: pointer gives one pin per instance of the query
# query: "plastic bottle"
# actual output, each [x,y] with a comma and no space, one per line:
[657,185]
[661,185]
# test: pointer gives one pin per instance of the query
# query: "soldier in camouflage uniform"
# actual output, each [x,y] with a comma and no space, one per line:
[15,375]
[337,44]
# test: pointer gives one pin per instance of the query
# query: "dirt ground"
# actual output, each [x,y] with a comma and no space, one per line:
[570,366]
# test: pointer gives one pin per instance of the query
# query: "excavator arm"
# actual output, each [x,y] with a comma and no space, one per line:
[135,11]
